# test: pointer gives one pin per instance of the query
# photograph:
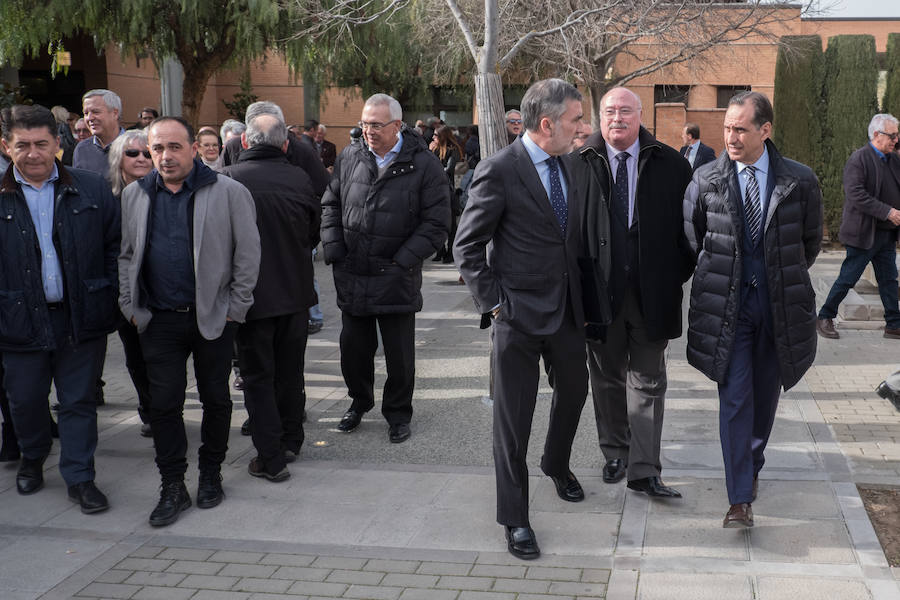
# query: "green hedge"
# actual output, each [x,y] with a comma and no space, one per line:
[891,101]
[849,92]
[798,99]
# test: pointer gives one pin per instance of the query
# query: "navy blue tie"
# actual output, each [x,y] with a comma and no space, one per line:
[557,200]
[620,189]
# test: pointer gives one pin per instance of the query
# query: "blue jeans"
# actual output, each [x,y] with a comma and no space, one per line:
[74,370]
[883,256]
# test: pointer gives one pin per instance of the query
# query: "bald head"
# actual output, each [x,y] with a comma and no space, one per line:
[265,130]
[620,117]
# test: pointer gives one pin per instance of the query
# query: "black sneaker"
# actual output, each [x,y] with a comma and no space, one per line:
[209,489]
[173,498]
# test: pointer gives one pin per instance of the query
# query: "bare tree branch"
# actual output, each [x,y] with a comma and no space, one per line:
[464,28]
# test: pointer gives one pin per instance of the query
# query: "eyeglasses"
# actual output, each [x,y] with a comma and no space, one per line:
[82,130]
[132,153]
[623,112]
[514,121]
[375,126]
[893,136]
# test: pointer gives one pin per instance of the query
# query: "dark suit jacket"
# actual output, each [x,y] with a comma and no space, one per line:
[531,269]
[302,155]
[862,188]
[705,154]
[328,153]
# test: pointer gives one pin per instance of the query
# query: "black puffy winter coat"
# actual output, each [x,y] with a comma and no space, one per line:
[713,213]
[377,230]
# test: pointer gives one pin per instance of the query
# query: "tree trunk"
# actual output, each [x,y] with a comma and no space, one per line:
[491,126]
[597,91]
[196,76]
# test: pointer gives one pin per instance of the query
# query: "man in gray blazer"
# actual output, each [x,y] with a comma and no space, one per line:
[523,202]
[870,225]
[189,263]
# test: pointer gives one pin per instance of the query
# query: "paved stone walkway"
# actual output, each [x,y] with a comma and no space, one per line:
[363,518]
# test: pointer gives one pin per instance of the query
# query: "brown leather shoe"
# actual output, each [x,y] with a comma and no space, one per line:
[892,334]
[739,515]
[825,328]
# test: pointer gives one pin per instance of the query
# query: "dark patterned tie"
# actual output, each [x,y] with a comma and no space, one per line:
[751,204]
[620,189]
[557,200]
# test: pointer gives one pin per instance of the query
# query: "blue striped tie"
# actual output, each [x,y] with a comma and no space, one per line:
[751,204]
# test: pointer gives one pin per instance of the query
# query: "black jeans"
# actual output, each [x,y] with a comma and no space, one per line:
[271,352]
[166,343]
[137,368]
[359,340]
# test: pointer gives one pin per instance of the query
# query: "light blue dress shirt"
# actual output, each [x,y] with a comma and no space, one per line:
[631,165]
[762,179]
[391,154]
[40,205]
[539,158]
[692,152]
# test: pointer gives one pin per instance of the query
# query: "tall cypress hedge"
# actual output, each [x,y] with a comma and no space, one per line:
[849,92]
[798,105]
[891,101]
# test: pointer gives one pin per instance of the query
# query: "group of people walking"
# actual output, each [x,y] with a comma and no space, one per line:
[574,258]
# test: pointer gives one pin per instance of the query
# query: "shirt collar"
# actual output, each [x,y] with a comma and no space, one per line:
[537,154]
[761,165]
[633,150]
[880,154]
[54,175]
[695,145]
[394,150]
[100,145]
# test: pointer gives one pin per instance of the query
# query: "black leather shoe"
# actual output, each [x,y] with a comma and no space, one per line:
[350,421]
[568,488]
[399,433]
[89,497]
[146,431]
[614,470]
[522,543]
[209,489]
[30,477]
[245,427]
[173,498]
[653,486]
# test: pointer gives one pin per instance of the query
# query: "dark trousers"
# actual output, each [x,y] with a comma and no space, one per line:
[137,368]
[73,369]
[883,256]
[516,364]
[359,341]
[748,398]
[166,343]
[271,354]
[628,383]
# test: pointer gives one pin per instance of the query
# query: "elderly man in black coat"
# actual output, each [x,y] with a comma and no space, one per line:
[870,225]
[385,211]
[755,220]
[272,342]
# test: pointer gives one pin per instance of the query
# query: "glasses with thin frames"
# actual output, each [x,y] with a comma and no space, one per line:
[132,153]
[623,112]
[375,126]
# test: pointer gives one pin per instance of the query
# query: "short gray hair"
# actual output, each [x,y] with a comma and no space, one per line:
[110,99]
[394,107]
[231,126]
[322,128]
[263,107]
[266,134]
[511,111]
[546,98]
[116,151]
[879,121]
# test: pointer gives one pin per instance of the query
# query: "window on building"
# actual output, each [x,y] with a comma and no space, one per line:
[725,92]
[671,93]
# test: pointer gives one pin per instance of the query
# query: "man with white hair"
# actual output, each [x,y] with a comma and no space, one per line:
[386,209]
[327,150]
[101,113]
[869,226]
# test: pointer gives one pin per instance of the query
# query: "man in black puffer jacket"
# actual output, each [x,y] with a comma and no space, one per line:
[755,220]
[386,210]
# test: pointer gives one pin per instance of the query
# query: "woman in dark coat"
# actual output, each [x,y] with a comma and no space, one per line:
[448,151]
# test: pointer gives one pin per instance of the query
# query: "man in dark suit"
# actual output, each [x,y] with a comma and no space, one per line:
[696,152]
[757,217]
[869,226]
[523,202]
[640,183]
[327,150]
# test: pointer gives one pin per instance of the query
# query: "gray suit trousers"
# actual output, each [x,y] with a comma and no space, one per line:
[628,383]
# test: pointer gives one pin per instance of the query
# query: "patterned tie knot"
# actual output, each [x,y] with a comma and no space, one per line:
[552,162]
[622,156]
[751,171]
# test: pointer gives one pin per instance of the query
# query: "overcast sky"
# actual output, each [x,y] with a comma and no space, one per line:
[862,8]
